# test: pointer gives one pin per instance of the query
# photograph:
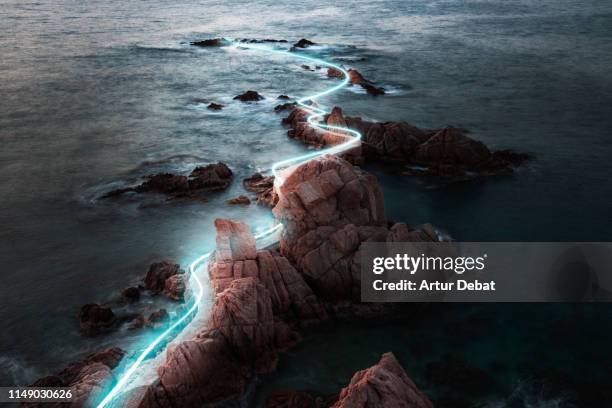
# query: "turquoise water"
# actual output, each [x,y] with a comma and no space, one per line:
[96,95]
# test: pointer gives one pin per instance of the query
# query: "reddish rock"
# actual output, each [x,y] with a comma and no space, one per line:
[382,385]
[87,378]
[175,286]
[212,177]
[202,179]
[95,319]
[215,106]
[155,280]
[291,297]
[357,79]
[303,43]
[249,96]
[328,208]
[242,200]
[212,42]
[335,73]
[263,187]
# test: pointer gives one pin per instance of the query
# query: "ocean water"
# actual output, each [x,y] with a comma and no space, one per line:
[96,95]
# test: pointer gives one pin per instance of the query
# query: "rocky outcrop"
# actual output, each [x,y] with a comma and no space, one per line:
[356,78]
[259,296]
[95,319]
[213,177]
[215,106]
[303,43]
[328,208]
[158,273]
[284,107]
[249,96]
[382,385]
[175,287]
[130,295]
[446,153]
[87,378]
[263,187]
[211,42]
[240,200]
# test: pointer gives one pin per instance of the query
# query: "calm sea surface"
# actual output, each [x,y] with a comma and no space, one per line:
[94,95]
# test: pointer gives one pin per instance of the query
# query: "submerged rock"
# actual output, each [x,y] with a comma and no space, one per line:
[303,43]
[215,106]
[283,97]
[385,384]
[357,79]
[95,319]
[130,295]
[158,318]
[249,96]
[212,42]
[284,107]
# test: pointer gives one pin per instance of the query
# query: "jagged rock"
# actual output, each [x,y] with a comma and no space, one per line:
[263,187]
[175,287]
[95,319]
[249,96]
[243,200]
[303,43]
[87,378]
[155,280]
[236,257]
[202,179]
[446,153]
[130,295]
[357,79]
[328,208]
[382,385]
[215,106]
[212,42]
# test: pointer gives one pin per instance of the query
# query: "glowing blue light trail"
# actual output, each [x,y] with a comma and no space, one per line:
[316,114]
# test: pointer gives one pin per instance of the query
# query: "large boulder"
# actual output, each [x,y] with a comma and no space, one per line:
[158,273]
[328,208]
[382,385]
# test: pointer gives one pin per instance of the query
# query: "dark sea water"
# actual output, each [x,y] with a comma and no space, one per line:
[94,95]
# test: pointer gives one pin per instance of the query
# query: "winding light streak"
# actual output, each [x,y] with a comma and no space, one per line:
[315,114]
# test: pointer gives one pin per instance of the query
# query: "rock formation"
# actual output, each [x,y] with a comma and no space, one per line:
[242,200]
[249,96]
[263,187]
[175,287]
[382,385]
[212,42]
[215,106]
[212,177]
[445,153]
[95,319]
[159,273]
[356,78]
[303,43]
[87,378]
[328,208]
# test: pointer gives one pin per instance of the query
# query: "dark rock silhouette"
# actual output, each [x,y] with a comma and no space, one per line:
[215,106]
[303,43]
[158,273]
[95,319]
[212,42]
[249,96]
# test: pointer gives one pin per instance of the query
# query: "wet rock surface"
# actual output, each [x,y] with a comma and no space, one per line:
[263,187]
[303,43]
[385,384]
[240,200]
[87,378]
[158,273]
[203,179]
[175,287]
[249,96]
[211,42]
[215,106]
